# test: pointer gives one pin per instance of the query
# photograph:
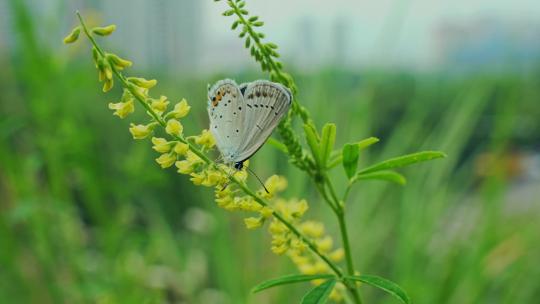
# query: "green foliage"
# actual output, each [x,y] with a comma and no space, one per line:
[118,232]
[383,284]
[319,294]
[289,279]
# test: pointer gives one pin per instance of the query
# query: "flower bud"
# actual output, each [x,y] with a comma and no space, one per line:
[73,36]
[141,82]
[105,30]
[118,62]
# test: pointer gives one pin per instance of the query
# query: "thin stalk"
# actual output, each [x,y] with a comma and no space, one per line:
[195,150]
[344,238]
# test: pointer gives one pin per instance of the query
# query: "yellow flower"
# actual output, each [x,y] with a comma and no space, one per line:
[253,222]
[160,105]
[298,208]
[166,160]
[279,250]
[213,178]
[205,139]
[277,227]
[193,158]
[181,148]
[122,109]
[184,166]
[312,229]
[325,244]
[180,110]
[140,131]
[161,145]
[266,212]
[337,255]
[275,184]
[174,127]
[197,178]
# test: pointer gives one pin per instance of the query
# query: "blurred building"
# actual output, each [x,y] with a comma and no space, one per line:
[487,43]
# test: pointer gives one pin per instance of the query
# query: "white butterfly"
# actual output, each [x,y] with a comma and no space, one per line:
[242,117]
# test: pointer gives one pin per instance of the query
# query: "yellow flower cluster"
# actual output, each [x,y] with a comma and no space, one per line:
[176,151]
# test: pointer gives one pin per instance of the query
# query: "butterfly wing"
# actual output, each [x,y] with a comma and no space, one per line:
[227,113]
[266,103]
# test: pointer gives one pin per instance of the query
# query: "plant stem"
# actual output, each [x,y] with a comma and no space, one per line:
[345,239]
[195,150]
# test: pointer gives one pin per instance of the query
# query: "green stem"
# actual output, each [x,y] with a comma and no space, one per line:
[345,239]
[195,150]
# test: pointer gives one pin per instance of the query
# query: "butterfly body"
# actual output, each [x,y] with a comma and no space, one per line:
[242,117]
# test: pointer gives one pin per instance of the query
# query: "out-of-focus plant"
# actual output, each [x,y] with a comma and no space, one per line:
[303,241]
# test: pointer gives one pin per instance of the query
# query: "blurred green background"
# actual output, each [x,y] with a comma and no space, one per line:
[86,215]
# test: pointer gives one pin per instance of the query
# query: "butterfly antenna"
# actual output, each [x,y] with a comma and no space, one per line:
[262,184]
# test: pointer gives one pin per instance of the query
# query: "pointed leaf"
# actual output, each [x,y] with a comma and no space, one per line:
[328,139]
[384,284]
[387,175]
[364,143]
[337,156]
[319,294]
[313,142]
[277,144]
[288,279]
[350,155]
[404,160]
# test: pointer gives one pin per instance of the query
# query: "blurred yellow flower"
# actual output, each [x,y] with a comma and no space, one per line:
[140,131]
[174,127]
[122,109]
[161,145]
[184,166]
[206,139]
[160,105]
[180,110]
[181,148]
[253,222]
[166,160]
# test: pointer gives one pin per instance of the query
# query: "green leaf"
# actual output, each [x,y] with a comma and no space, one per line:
[350,155]
[387,175]
[404,160]
[277,144]
[288,279]
[319,294]
[384,284]
[367,142]
[313,142]
[328,139]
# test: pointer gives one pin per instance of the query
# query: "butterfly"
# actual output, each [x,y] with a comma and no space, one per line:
[242,117]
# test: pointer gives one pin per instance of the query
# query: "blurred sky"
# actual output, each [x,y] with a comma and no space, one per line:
[191,35]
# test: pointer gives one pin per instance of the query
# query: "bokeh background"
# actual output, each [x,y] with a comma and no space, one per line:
[86,215]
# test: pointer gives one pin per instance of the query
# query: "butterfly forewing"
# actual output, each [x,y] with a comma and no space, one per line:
[227,115]
[266,103]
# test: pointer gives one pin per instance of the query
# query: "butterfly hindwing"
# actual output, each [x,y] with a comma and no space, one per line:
[266,103]
[227,114]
